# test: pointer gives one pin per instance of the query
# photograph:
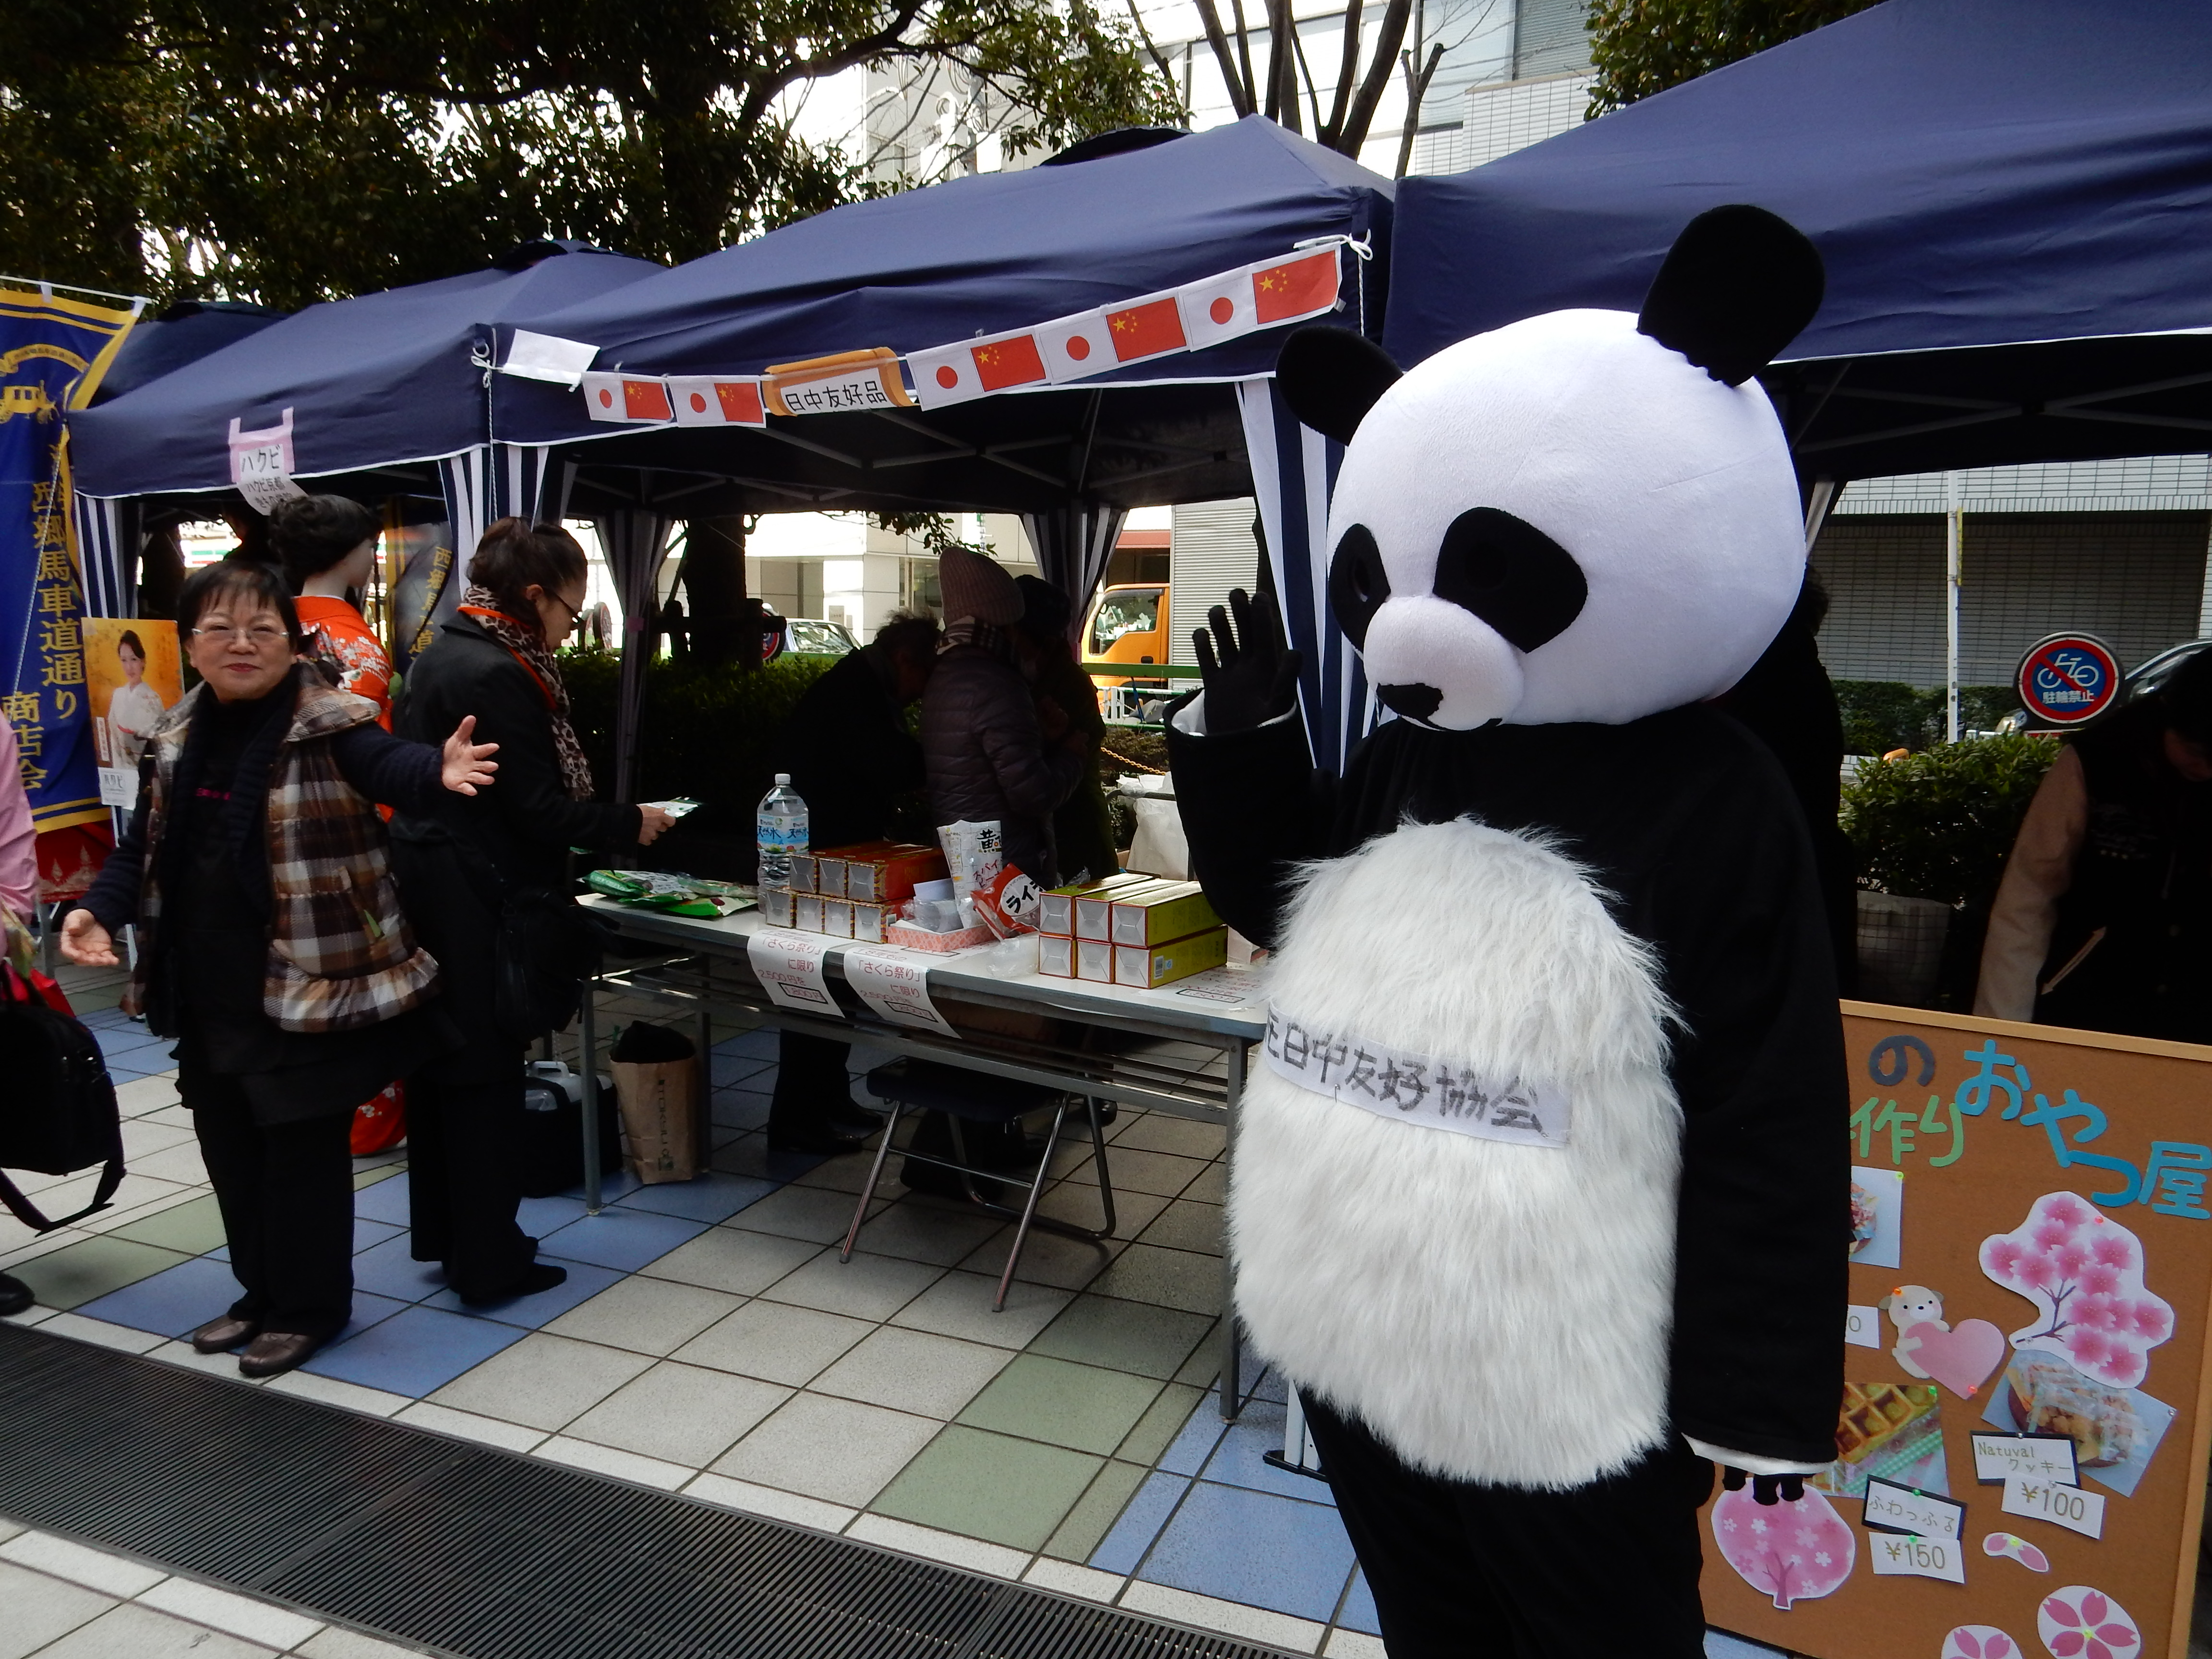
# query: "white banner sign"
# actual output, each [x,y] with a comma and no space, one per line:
[1409,1088]
[261,463]
[790,966]
[896,984]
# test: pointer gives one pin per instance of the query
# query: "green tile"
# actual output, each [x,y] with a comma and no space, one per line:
[195,1228]
[1096,1512]
[1063,1404]
[1163,1420]
[1185,1225]
[1169,1278]
[383,1172]
[1203,1367]
[1210,1187]
[1011,1491]
[1122,1336]
[77,1274]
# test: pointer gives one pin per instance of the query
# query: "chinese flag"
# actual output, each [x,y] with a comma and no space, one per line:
[646,400]
[1008,363]
[740,400]
[1295,288]
[1148,330]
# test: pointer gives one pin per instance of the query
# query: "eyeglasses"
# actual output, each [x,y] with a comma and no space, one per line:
[260,636]
[575,615]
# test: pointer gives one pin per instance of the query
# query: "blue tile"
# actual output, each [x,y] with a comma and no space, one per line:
[739,1108]
[173,1302]
[384,1201]
[540,1216]
[367,1234]
[1270,1385]
[618,1237]
[1719,1645]
[1359,1610]
[762,1041]
[1256,1548]
[388,1270]
[369,1310]
[613,1183]
[584,1282]
[708,1198]
[1194,1444]
[414,1352]
[1238,1461]
[1141,1523]
[101,1019]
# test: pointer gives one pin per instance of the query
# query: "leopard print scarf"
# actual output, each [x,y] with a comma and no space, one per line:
[528,646]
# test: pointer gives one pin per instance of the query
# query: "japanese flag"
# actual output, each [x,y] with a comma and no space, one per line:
[716,400]
[1073,347]
[611,396]
[975,368]
[1258,297]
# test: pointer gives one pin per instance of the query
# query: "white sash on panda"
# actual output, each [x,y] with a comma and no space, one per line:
[1411,1088]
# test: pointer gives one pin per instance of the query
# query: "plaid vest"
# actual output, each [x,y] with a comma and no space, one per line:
[340,954]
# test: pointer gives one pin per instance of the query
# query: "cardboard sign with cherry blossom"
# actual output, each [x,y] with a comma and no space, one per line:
[2030,1303]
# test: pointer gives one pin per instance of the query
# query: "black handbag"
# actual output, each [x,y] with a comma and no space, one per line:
[549,945]
[58,1113]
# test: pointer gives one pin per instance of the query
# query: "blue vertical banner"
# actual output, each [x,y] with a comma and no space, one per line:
[53,351]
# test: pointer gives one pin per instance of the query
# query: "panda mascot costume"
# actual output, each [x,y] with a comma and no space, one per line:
[1540,1195]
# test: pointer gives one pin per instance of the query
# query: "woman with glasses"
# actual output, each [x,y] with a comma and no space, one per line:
[271,944]
[462,863]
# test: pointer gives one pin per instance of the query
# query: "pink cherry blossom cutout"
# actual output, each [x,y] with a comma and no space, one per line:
[1979,1642]
[2079,1622]
[2083,1273]
[1792,1552]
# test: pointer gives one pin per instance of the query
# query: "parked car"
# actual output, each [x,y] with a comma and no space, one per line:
[2138,681]
[809,637]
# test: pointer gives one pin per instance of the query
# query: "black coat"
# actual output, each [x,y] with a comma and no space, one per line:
[987,757]
[1687,822]
[848,752]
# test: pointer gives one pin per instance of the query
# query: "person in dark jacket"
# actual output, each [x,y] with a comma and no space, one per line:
[850,757]
[271,943]
[1067,711]
[459,863]
[987,757]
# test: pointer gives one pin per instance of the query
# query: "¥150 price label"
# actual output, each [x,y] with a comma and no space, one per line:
[2070,1507]
[1899,1555]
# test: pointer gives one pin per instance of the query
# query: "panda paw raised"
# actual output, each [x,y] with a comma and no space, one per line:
[1250,676]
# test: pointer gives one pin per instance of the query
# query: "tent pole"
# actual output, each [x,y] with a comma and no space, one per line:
[1955,521]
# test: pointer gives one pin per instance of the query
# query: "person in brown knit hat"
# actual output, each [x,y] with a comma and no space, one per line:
[977,588]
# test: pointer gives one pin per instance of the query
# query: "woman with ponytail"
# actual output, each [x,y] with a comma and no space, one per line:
[461,870]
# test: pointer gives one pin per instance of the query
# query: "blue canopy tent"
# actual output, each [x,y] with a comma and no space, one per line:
[1133,215]
[2013,198]
[382,394]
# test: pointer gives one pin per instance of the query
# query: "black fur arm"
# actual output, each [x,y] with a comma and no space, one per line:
[1252,808]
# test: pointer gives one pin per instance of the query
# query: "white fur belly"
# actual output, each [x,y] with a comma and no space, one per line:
[1495,1311]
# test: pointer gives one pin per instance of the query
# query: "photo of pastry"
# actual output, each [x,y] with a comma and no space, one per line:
[1877,1216]
[2115,1432]
[1889,1431]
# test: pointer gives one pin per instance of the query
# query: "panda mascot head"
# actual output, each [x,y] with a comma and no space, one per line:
[1588,515]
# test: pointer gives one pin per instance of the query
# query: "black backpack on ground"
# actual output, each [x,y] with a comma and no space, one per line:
[57,1112]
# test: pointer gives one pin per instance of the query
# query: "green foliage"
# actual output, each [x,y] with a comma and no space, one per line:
[1880,715]
[293,150]
[1644,47]
[1938,825]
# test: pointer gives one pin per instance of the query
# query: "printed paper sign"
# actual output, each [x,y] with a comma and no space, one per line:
[261,463]
[548,357]
[896,984]
[1863,1326]
[1898,1556]
[790,967]
[2037,1456]
[1231,987]
[1410,1088]
[829,386]
[2072,1507]
[1892,1507]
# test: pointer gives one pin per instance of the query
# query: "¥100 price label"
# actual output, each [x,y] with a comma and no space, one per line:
[2070,1507]
[1899,1555]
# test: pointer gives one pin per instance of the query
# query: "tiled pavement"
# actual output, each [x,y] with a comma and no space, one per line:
[709,1340]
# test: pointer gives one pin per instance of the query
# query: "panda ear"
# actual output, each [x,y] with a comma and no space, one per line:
[1739,284]
[1331,377]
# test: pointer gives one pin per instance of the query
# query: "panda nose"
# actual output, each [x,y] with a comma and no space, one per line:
[1414,702]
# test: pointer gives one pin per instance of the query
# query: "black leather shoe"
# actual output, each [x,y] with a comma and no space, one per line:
[822,1142]
[220,1335]
[14,1296]
[274,1352]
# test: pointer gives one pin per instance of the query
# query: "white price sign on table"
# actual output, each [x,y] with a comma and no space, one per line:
[2072,1507]
[896,984]
[790,967]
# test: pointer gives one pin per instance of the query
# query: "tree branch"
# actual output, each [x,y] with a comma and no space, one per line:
[1240,87]
[1347,71]
[1417,88]
[1153,53]
[1387,40]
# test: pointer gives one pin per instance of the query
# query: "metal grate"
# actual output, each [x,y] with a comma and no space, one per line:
[475,1551]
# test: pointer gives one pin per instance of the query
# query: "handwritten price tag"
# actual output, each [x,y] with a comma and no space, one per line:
[2036,1457]
[2070,1507]
[1901,1509]
[896,984]
[1896,1556]
[790,968]
[261,463]
[1863,1326]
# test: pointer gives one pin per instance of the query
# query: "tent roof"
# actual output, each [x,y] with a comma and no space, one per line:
[378,379]
[976,255]
[1976,173]
[183,333]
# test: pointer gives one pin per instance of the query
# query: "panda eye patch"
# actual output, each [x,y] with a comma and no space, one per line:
[1510,573]
[1357,583]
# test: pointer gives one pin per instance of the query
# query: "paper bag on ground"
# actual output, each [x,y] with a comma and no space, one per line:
[658,1084]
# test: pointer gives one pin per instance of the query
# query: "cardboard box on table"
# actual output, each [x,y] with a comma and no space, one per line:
[1968,1136]
[1157,916]
[1056,909]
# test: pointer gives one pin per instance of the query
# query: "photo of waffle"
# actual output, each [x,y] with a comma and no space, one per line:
[1887,1431]
[2115,1431]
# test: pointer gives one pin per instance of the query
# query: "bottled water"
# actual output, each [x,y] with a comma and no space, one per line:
[780,827]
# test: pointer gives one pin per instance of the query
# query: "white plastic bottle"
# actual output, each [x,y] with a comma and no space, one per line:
[780,828]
